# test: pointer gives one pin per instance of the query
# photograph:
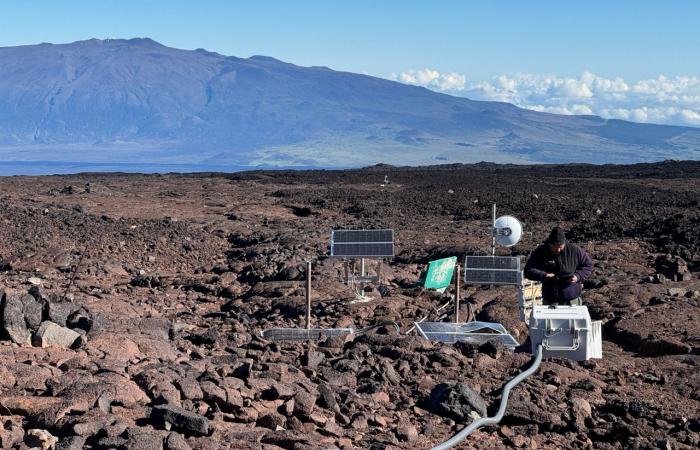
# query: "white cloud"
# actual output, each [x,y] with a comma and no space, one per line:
[662,99]
[432,79]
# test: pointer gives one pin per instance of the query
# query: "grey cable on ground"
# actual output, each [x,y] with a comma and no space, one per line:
[457,438]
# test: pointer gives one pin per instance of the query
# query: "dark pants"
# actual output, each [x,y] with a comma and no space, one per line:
[561,293]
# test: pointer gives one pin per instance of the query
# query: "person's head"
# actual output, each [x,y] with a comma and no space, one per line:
[556,240]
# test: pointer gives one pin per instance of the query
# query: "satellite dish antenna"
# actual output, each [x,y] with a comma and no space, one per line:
[507,231]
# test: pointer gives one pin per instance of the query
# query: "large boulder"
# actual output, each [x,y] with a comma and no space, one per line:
[180,419]
[456,401]
[59,312]
[12,319]
[673,267]
[51,334]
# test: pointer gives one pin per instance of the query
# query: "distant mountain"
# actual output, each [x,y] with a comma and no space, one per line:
[137,101]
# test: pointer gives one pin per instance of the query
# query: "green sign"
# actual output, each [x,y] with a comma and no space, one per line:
[439,274]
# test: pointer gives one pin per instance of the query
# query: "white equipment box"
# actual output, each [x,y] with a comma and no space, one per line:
[565,332]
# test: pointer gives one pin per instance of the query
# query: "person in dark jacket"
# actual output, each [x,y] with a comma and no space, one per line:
[561,267]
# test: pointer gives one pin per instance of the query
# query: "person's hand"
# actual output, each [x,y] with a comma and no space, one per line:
[573,279]
[549,275]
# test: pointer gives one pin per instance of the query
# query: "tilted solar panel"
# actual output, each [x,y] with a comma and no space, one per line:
[358,236]
[474,332]
[472,276]
[492,262]
[468,327]
[363,250]
[362,243]
[303,334]
[492,270]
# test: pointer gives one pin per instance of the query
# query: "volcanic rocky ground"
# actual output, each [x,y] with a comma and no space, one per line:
[133,304]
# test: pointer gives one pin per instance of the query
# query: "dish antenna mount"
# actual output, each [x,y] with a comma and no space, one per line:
[506,231]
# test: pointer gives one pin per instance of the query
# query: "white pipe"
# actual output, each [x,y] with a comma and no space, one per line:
[459,437]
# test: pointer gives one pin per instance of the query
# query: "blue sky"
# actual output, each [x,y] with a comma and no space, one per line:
[549,55]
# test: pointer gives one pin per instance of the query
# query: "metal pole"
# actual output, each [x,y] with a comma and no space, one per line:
[308,295]
[458,292]
[362,279]
[493,232]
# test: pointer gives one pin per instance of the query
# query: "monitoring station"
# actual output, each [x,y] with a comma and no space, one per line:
[482,270]
[308,333]
[555,331]
[354,245]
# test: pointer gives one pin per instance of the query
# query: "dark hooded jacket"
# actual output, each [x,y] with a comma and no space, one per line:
[572,261]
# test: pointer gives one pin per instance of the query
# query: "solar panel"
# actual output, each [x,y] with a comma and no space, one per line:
[491,277]
[362,243]
[474,332]
[362,250]
[492,270]
[492,262]
[363,236]
[303,334]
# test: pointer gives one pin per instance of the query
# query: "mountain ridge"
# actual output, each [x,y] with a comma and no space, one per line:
[130,100]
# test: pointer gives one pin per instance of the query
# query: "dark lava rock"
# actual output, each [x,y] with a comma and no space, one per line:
[466,348]
[12,321]
[327,398]
[148,281]
[406,432]
[156,327]
[312,358]
[585,384]
[140,439]
[180,419]
[272,421]
[304,403]
[456,401]
[80,319]
[175,441]
[653,346]
[288,439]
[674,267]
[213,394]
[190,388]
[493,348]
[291,273]
[209,337]
[33,310]
[71,443]
[113,442]
[58,312]
[11,432]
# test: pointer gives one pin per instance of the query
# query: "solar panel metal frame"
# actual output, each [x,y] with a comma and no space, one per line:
[503,270]
[362,243]
[451,333]
[303,334]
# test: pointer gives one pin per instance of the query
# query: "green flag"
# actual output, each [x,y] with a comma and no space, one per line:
[439,274]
